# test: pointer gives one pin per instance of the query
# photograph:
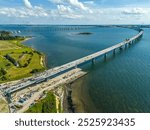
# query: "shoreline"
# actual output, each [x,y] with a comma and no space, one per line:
[67,92]
[55,85]
[26,39]
[68,102]
[79,94]
[43,60]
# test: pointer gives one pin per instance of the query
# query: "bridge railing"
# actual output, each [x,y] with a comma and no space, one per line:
[62,68]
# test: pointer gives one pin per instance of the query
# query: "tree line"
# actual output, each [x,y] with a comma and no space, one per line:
[6,35]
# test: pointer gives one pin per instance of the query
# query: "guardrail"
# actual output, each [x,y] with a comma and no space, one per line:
[61,69]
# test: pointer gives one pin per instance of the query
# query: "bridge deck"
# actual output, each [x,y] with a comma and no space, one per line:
[51,72]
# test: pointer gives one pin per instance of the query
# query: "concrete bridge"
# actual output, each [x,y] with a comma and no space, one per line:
[51,73]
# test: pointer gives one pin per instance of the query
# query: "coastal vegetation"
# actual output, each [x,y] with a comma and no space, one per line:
[4,106]
[17,60]
[46,105]
[6,35]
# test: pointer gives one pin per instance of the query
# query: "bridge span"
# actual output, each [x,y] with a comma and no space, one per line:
[51,73]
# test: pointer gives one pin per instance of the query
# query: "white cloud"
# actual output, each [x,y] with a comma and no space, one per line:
[8,11]
[80,5]
[67,12]
[64,9]
[23,12]
[72,16]
[77,4]
[73,3]
[27,4]
[75,11]
[135,11]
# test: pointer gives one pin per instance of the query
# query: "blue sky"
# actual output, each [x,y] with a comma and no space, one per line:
[75,11]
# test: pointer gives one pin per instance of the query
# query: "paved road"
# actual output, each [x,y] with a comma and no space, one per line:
[73,75]
[58,70]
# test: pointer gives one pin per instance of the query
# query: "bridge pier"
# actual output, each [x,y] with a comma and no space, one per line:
[126,45]
[105,56]
[114,51]
[66,67]
[133,41]
[93,61]
[130,43]
[8,97]
[76,66]
[137,39]
[121,48]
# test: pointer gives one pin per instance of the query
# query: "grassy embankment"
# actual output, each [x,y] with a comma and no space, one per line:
[46,105]
[19,61]
[28,59]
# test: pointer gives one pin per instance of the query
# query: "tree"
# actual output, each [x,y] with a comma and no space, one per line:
[2,72]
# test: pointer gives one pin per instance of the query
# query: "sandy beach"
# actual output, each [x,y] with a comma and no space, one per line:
[79,93]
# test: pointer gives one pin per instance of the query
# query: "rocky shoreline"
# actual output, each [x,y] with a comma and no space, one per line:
[68,106]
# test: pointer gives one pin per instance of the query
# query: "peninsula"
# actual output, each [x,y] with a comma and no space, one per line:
[17,60]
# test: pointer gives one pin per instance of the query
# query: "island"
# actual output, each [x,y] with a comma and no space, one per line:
[84,33]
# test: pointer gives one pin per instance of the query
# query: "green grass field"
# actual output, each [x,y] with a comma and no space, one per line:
[7,45]
[27,58]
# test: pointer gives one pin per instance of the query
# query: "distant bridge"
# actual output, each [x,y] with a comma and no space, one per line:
[30,29]
[51,73]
